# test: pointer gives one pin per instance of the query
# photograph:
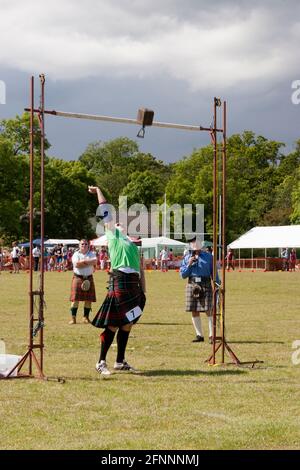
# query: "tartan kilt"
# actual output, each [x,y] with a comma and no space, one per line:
[124,293]
[202,303]
[77,294]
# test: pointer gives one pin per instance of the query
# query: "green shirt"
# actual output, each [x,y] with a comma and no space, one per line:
[122,252]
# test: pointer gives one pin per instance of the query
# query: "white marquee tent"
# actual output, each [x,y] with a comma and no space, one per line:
[62,241]
[159,242]
[285,236]
[101,241]
[156,243]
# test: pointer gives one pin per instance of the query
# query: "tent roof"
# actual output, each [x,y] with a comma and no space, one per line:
[160,241]
[36,241]
[285,236]
[146,242]
[101,241]
[62,241]
[52,241]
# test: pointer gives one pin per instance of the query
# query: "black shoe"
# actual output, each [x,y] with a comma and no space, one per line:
[198,339]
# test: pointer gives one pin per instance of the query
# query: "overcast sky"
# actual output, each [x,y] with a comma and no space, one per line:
[111,57]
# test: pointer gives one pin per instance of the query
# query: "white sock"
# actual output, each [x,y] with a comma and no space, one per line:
[197,325]
[210,325]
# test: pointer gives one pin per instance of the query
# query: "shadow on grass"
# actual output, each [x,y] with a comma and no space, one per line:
[84,379]
[182,373]
[157,373]
[255,342]
[164,323]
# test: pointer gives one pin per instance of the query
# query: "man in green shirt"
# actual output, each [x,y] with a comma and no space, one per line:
[125,299]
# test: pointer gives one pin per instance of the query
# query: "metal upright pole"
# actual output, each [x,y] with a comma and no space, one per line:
[220,228]
[33,328]
[224,149]
[31,314]
[41,303]
[215,226]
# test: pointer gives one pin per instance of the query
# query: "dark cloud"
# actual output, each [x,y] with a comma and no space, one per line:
[111,58]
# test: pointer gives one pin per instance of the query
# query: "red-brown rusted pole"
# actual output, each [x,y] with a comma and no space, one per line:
[224,149]
[31,221]
[215,228]
[41,299]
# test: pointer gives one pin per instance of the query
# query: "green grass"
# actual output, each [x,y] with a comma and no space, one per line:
[177,402]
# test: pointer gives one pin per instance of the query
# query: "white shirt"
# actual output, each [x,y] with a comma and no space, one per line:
[36,252]
[87,270]
[15,252]
[164,255]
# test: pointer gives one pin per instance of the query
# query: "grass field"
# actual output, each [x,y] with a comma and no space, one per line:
[177,401]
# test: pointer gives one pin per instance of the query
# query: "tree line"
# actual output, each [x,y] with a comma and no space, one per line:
[262,182]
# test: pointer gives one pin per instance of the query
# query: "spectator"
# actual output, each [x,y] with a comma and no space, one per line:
[36,253]
[164,257]
[285,259]
[103,258]
[230,260]
[171,259]
[64,257]
[293,260]
[83,287]
[15,254]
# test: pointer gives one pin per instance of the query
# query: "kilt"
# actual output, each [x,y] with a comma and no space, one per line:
[124,293]
[77,294]
[203,303]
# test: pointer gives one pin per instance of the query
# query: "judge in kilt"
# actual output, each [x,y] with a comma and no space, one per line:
[125,299]
[197,268]
[83,287]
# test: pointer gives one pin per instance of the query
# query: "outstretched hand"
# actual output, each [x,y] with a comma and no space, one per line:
[92,189]
[96,190]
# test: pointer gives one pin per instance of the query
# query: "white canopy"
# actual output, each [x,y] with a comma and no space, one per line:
[160,241]
[62,241]
[101,241]
[146,242]
[285,236]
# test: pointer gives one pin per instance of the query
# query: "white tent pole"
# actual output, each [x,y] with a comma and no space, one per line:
[265,258]
[165,216]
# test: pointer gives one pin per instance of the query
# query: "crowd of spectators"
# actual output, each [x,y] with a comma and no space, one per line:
[59,258]
[56,258]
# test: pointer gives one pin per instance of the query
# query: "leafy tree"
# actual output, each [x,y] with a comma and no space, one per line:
[144,187]
[108,162]
[252,175]
[68,205]
[285,194]
[113,163]
[295,216]
[12,191]
[16,131]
